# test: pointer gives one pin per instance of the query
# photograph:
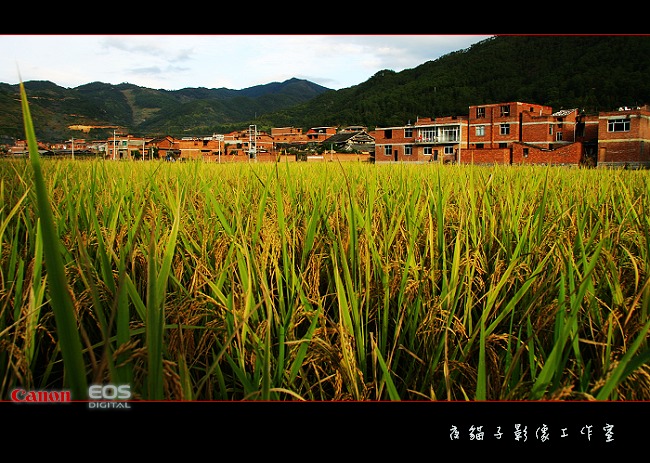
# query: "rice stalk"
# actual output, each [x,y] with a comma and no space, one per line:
[68,335]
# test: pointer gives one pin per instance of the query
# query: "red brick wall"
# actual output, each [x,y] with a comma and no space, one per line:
[396,139]
[493,119]
[590,128]
[485,156]
[567,155]
[623,152]
[620,148]
[543,130]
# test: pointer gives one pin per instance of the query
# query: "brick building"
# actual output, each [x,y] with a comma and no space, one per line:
[319,134]
[288,135]
[499,125]
[205,148]
[125,147]
[348,141]
[428,140]
[163,147]
[624,138]
[524,133]
[500,133]
[249,142]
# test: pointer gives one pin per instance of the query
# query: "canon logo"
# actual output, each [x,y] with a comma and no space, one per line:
[21,395]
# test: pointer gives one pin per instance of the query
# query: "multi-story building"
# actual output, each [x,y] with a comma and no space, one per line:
[428,140]
[549,131]
[318,134]
[624,137]
[288,135]
[125,147]
[521,133]
[163,148]
[498,125]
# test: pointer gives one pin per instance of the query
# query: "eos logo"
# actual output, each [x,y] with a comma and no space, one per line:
[106,394]
[109,392]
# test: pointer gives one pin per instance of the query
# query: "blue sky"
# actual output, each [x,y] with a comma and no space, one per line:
[173,62]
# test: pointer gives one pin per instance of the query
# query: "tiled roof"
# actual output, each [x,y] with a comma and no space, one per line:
[563,112]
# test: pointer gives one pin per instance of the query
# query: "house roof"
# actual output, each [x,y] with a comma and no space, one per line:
[343,137]
[563,112]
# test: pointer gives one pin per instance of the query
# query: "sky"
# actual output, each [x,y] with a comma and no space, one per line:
[172,62]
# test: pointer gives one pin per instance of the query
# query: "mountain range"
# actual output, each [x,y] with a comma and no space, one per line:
[592,72]
[141,110]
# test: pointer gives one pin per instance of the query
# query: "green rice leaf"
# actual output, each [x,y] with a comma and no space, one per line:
[62,305]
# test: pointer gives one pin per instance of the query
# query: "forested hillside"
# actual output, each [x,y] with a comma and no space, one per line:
[594,73]
[144,111]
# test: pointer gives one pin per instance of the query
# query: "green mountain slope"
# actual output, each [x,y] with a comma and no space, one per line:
[144,111]
[594,73]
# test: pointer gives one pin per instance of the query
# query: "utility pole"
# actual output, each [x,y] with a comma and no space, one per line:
[220,141]
[252,141]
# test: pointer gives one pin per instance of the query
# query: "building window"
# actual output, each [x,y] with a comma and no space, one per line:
[427,151]
[388,150]
[550,130]
[480,113]
[408,150]
[428,135]
[449,150]
[408,133]
[450,134]
[505,111]
[618,125]
[480,130]
[505,129]
[558,136]
[503,145]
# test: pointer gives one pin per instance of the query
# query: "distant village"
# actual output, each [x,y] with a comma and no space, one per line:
[501,133]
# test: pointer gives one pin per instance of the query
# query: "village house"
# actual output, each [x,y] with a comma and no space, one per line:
[289,135]
[350,139]
[624,137]
[499,133]
[163,148]
[499,125]
[522,133]
[195,148]
[428,140]
[319,134]
[249,143]
[20,148]
[124,147]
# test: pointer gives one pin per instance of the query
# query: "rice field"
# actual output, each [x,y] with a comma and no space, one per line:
[324,281]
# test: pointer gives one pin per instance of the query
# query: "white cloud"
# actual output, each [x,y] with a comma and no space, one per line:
[233,61]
